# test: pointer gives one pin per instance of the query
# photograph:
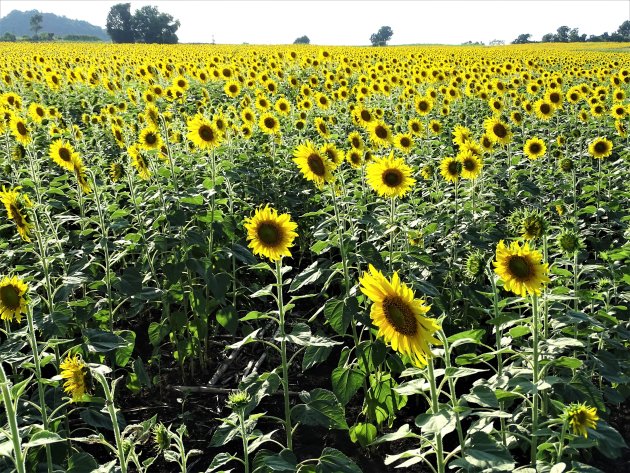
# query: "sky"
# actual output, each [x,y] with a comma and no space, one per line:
[351,22]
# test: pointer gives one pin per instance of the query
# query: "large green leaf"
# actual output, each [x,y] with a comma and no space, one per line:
[333,461]
[99,341]
[346,381]
[320,408]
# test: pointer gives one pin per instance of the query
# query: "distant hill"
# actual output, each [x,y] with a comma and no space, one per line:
[18,23]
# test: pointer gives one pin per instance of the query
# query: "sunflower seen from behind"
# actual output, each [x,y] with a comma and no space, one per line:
[520,268]
[270,234]
[13,302]
[390,176]
[399,316]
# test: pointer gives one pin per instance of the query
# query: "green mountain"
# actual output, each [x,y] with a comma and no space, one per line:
[18,23]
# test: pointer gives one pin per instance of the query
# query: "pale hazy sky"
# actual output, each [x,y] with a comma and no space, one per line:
[352,22]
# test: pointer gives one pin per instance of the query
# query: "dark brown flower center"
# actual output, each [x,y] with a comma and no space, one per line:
[405,142]
[269,233]
[381,132]
[316,165]
[64,154]
[499,130]
[535,148]
[600,147]
[150,138]
[400,316]
[206,133]
[365,115]
[454,168]
[270,123]
[545,108]
[10,297]
[392,177]
[520,267]
[21,128]
[469,164]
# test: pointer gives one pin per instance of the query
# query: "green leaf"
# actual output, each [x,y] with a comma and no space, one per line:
[309,276]
[99,341]
[333,461]
[568,362]
[157,332]
[314,356]
[483,396]
[124,353]
[403,432]
[517,332]
[346,381]
[485,454]
[458,372]
[42,437]
[301,335]
[225,432]
[320,408]
[283,462]
[251,337]
[363,433]
[609,442]
[469,336]
[443,421]
[194,200]
[81,463]
[336,316]
[228,318]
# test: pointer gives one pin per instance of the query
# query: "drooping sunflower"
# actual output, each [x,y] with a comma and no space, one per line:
[270,234]
[202,133]
[74,371]
[498,131]
[471,165]
[62,153]
[600,148]
[80,174]
[139,161]
[313,165]
[427,172]
[16,205]
[581,417]
[399,316]
[451,169]
[380,133]
[520,268]
[534,148]
[20,130]
[389,176]
[269,124]
[461,135]
[116,171]
[13,301]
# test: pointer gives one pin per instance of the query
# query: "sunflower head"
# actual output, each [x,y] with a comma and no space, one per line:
[520,268]
[530,224]
[238,400]
[580,418]
[75,372]
[451,169]
[17,205]
[600,148]
[471,165]
[161,437]
[534,148]
[399,316]
[389,176]
[427,172]
[314,165]
[270,234]
[569,242]
[116,171]
[13,302]
[475,263]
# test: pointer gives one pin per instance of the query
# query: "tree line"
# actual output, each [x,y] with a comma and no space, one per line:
[146,25]
[564,34]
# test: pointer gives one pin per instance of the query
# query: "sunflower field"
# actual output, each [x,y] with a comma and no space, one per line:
[315,260]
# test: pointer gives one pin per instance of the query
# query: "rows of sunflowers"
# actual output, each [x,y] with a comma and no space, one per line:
[331,260]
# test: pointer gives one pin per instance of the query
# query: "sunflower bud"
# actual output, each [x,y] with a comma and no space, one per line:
[566,165]
[475,262]
[569,242]
[238,400]
[161,438]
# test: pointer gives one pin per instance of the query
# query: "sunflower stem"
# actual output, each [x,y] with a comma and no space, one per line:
[439,449]
[18,455]
[392,215]
[283,355]
[563,433]
[535,373]
[111,409]
[453,393]
[498,336]
[40,387]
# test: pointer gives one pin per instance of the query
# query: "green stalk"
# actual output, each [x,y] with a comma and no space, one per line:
[565,426]
[535,380]
[18,458]
[111,409]
[439,449]
[241,417]
[451,387]
[40,387]
[283,355]
[498,333]
[392,214]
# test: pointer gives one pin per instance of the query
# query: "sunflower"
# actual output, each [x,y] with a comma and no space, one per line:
[16,205]
[580,418]
[232,88]
[80,174]
[600,148]
[362,116]
[534,148]
[389,176]
[270,234]
[63,154]
[202,133]
[622,128]
[20,130]
[435,126]
[282,106]
[520,268]
[356,140]
[380,133]
[13,302]
[74,371]
[269,124]
[150,139]
[415,127]
[471,165]
[313,165]
[451,169]
[248,115]
[427,172]
[424,105]
[461,135]
[116,171]
[399,316]
[355,157]
[543,109]
[404,142]
[498,131]
[139,162]
[334,155]
[37,112]
[321,127]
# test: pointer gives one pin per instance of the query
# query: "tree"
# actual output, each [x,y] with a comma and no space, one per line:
[151,26]
[563,35]
[522,39]
[302,40]
[548,38]
[381,37]
[624,30]
[36,22]
[575,36]
[497,42]
[119,23]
